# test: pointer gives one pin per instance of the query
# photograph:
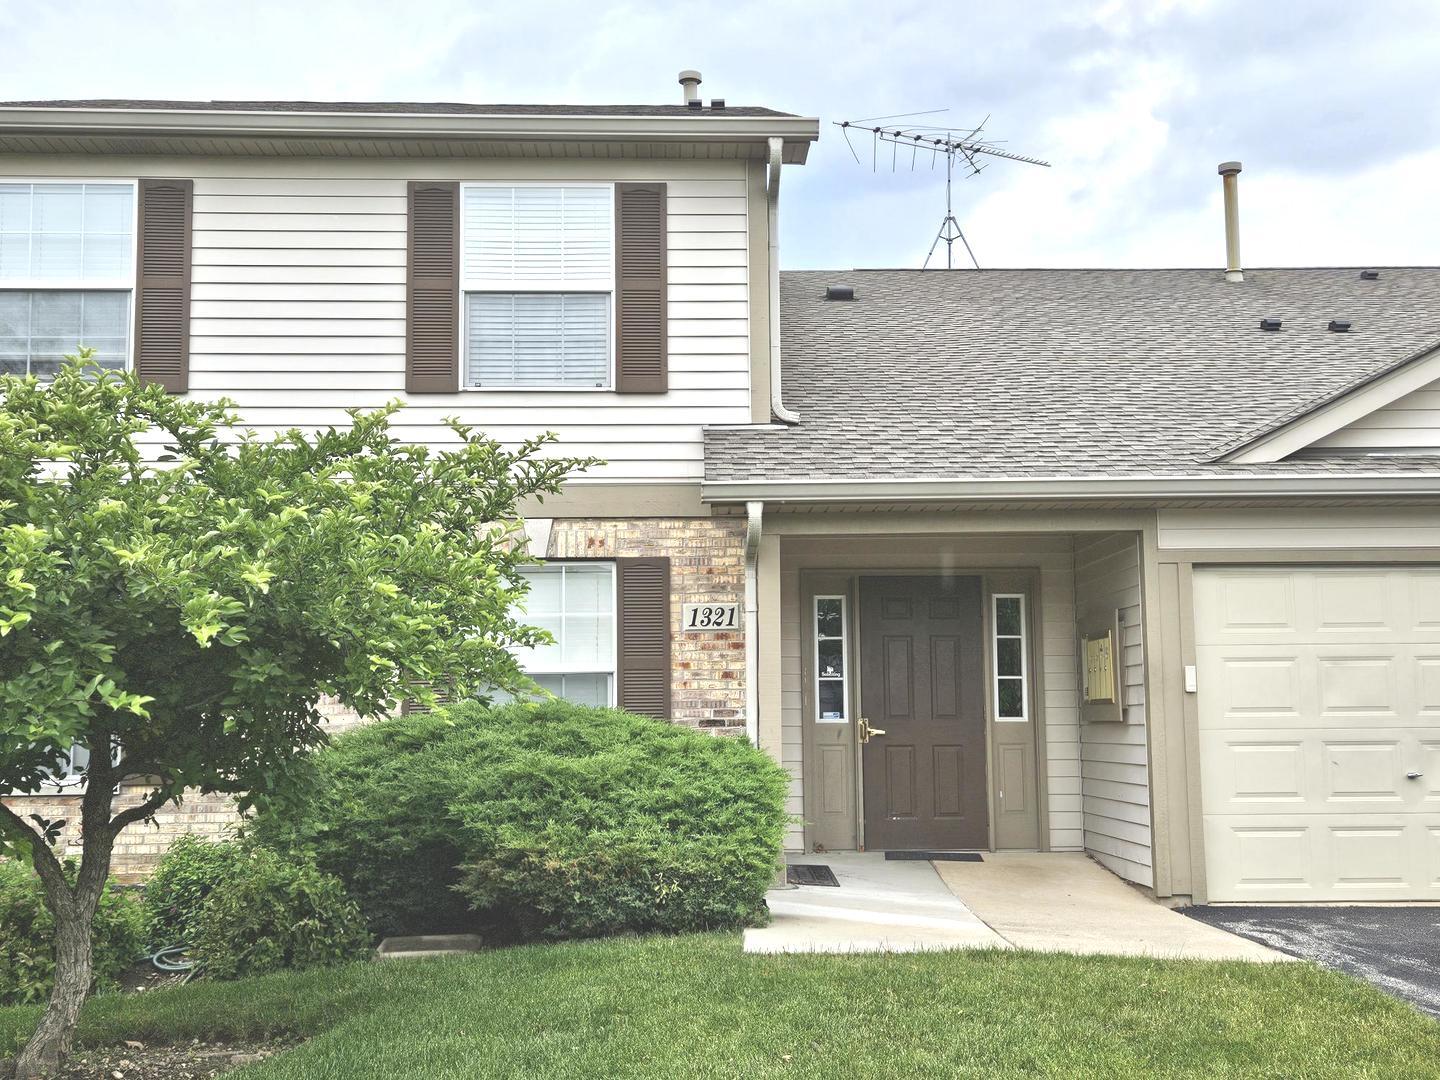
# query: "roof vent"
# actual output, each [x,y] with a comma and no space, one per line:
[1339,326]
[695,104]
[717,103]
[1269,324]
[839,292]
[1369,275]
[690,80]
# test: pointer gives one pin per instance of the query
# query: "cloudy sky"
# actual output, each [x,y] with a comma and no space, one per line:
[1331,104]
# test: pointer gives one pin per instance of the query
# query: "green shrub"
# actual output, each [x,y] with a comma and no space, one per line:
[269,913]
[176,891]
[377,817]
[27,961]
[548,820]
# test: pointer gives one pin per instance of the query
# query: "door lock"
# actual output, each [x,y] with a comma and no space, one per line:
[866,731]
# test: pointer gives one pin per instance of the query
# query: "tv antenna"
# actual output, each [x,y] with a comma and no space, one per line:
[962,145]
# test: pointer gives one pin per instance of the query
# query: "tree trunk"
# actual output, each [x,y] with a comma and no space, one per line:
[50,1044]
[73,909]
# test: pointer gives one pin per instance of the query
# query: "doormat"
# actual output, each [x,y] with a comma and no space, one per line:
[810,874]
[934,856]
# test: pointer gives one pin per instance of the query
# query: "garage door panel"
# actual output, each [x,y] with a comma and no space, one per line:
[1319,694]
[1282,604]
[1312,770]
[1305,858]
[1363,771]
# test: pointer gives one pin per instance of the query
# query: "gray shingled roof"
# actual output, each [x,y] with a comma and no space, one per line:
[1069,373]
[435,108]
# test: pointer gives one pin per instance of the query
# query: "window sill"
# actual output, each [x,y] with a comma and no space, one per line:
[537,389]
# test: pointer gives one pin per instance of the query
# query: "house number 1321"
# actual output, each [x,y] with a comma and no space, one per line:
[710,616]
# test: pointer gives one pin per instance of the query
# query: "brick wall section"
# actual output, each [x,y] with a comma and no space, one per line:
[138,847]
[707,566]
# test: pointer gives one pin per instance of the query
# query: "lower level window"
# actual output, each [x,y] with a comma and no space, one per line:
[576,603]
[40,327]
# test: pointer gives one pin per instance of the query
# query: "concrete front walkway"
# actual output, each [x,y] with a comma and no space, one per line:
[1064,902]
[880,906]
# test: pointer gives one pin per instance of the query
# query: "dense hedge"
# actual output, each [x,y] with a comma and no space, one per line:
[541,820]
[27,934]
[246,910]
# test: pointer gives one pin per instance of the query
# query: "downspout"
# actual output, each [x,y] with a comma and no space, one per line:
[772,190]
[753,512]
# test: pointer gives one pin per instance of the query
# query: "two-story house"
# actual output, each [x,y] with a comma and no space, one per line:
[1139,563]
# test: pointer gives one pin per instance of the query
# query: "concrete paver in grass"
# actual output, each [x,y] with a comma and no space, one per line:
[1065,902]
[879,906]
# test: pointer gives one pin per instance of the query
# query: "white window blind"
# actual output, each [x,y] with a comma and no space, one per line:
[67,270]
[66,233]
[38,328]
[537,339]
[538,237]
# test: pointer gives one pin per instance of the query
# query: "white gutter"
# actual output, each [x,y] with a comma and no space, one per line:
[1010,489]
[754,511]
[772,191]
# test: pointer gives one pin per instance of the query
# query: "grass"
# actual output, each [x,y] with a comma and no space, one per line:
[696,1007]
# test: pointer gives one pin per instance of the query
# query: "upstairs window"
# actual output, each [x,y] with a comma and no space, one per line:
[537,270]
[67,273]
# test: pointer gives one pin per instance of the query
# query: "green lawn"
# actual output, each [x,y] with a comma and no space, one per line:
[696,1007]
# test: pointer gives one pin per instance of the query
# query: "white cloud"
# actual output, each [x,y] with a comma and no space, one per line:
[1330,104]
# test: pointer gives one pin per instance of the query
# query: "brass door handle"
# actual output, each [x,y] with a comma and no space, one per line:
[866,731]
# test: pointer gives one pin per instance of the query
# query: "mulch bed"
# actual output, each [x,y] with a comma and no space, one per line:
[137,1061]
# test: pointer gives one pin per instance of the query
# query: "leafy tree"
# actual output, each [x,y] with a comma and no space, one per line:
[177,596]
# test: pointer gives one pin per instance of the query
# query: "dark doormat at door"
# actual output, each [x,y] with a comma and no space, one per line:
[934,856]
[810,874]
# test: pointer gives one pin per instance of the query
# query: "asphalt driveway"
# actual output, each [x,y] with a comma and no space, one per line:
[1397,949]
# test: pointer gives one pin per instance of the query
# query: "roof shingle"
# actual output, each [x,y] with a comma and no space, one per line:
[426,108]
[1069,373]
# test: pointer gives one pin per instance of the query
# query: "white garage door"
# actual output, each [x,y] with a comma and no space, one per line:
[1319,704]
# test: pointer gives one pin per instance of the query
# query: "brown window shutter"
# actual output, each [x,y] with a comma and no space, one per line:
[162,284]
[442,698]
[432,289]
[641,363]
[643,677]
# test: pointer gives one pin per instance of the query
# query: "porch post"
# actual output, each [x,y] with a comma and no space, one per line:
[767,627]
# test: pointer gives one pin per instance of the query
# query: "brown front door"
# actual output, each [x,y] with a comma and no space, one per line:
[923,682]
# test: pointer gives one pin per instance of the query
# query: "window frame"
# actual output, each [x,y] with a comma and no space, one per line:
[465,289]
[1024,638]
[845,643]
[613,671]
[33,285]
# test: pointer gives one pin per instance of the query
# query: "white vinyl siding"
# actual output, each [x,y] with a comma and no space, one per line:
[1409,423]
[66,273]
[537,269]
[1323,527]
[1114,757]
[298,302]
